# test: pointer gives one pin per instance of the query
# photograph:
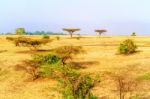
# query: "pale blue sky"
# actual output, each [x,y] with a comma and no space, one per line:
[119,17]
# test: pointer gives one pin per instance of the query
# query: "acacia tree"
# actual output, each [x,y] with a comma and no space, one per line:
[100,31]
[71,30]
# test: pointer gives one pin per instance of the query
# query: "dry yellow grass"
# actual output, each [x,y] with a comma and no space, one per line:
[100,58]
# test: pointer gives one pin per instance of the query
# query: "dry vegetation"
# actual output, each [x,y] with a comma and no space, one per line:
[121,76]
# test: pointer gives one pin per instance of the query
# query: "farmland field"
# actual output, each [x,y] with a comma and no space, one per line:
[101,58]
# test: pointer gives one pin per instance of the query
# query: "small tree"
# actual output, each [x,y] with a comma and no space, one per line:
[100,31]
[133,34]
[67,52]
[20,31]
[71,30]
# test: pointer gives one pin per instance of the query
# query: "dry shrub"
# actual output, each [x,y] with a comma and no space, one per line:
[33,44]
[67,52]
[41,66]
[31,67]
[21,41]
[126,84]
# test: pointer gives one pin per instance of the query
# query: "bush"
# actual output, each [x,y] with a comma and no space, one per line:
[67,52]
[21,41]
[33,44]
[40,66]
[127,47]
[50,64]
[46,37]
[73,85]
[31,67]
[78,38]
[77,86]
[47,59]
[57,37]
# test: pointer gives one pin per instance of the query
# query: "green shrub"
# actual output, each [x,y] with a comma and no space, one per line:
[73,85]
[127,47]
[50,65]
[50,70]
[47,59]
[46,37]
[77,86]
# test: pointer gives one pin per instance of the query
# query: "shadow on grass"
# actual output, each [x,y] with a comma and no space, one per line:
[3,51]
[134,53]
[83,65]
[33,51]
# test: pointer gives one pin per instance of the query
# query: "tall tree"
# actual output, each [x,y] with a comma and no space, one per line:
[71,30]
[20,31]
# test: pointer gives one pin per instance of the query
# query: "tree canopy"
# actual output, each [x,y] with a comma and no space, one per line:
[100,31]
[71,30]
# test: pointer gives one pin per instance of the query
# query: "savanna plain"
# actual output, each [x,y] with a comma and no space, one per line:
[120,76]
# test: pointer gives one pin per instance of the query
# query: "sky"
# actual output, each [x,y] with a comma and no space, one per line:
[119,17]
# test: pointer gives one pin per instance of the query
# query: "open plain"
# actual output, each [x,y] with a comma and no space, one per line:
[101,58]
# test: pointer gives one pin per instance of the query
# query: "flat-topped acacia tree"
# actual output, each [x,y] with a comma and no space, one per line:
[71,30]
[100,31]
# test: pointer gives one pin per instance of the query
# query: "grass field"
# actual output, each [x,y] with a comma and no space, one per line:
[101,58]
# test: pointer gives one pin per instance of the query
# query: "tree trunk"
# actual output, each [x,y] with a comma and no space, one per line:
[71,34]
[100,34]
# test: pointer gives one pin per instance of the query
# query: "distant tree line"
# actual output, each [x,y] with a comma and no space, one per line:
[22,31]
[43,33]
